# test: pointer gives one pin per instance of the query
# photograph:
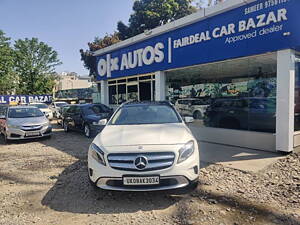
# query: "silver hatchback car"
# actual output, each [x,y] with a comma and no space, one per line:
[24,122]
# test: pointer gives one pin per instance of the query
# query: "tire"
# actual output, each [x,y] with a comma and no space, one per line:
[65,126]
[87,131]
[197,115]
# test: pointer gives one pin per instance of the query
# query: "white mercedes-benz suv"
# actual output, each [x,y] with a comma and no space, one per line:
[145,146]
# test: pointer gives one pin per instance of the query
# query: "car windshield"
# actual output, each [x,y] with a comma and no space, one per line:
[65,108]
[60,104]
[94,109]
[24,112]
[145,114]
[40,106]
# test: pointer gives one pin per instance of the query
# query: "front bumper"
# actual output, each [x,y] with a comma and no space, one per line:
[166,183]
[176,176]
[19,134]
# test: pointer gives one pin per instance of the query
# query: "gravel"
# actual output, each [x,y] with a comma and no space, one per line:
[45,182]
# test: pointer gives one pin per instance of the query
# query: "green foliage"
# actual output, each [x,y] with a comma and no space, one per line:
[34,64]
[89,61]
[108,40]
[8,79]
[148,14]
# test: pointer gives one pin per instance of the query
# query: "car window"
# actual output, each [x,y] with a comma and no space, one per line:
[71,109]
[24,112]
[145,114]
[60,104]
[40,106]
[105,108]
[93,109]
[77,110]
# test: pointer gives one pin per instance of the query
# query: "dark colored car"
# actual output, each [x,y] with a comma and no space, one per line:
[254,114]
[85,118]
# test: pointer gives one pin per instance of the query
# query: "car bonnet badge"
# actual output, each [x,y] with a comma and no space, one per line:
[140,162]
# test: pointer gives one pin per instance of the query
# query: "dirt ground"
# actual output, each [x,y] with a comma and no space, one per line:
[45,182]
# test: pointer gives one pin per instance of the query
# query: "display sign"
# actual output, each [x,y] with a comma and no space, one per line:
[24,99]
[256,28]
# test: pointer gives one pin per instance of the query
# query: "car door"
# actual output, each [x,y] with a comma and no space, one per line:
[262,116]
[186,104]
[68,118]
[77,117]
[181,106]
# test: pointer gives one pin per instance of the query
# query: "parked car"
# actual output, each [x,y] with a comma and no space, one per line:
[44,108]
[255,114]
[60,116]
[194,107]
[55,106]
[85,118]
[145,146]
[24,122]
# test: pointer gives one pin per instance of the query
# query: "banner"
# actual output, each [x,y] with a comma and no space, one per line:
[256,28]
[25,99]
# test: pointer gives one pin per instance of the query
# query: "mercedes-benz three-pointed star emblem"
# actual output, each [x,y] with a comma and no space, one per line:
[141,162]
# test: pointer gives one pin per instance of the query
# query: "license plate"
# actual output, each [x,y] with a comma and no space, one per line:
[141,180]
[32,133]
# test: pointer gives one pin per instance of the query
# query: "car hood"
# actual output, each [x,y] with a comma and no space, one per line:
[94,117]
[150,134]
[27,121]
[97,117]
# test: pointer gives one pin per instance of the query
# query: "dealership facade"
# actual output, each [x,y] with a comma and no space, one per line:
[233,67]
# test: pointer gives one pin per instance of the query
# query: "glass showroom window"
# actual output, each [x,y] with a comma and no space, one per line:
[297,94]
[235,94]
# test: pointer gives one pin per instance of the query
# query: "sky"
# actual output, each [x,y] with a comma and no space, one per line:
[65,25]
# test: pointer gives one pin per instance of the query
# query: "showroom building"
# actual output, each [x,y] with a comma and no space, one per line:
[233,67]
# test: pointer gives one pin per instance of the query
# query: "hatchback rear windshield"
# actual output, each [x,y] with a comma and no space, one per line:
[24,113]
[145,114]
[60,104]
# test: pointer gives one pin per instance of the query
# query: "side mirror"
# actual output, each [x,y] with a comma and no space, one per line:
[102,122]
[188,119]
[2,117]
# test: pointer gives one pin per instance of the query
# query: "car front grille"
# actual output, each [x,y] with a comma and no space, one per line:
[155,161]
[31,128]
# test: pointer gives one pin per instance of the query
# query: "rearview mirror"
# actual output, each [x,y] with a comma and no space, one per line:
[102,122]
[188,119]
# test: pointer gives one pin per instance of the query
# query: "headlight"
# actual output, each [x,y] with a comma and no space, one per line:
[186,151]
[13,126]
[97,154]
[45,124]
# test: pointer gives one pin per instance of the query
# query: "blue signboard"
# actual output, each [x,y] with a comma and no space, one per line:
[256,28]
[7,99]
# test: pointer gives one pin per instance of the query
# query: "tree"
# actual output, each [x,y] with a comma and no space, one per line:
[148,14]
[8,80]
[34,63]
